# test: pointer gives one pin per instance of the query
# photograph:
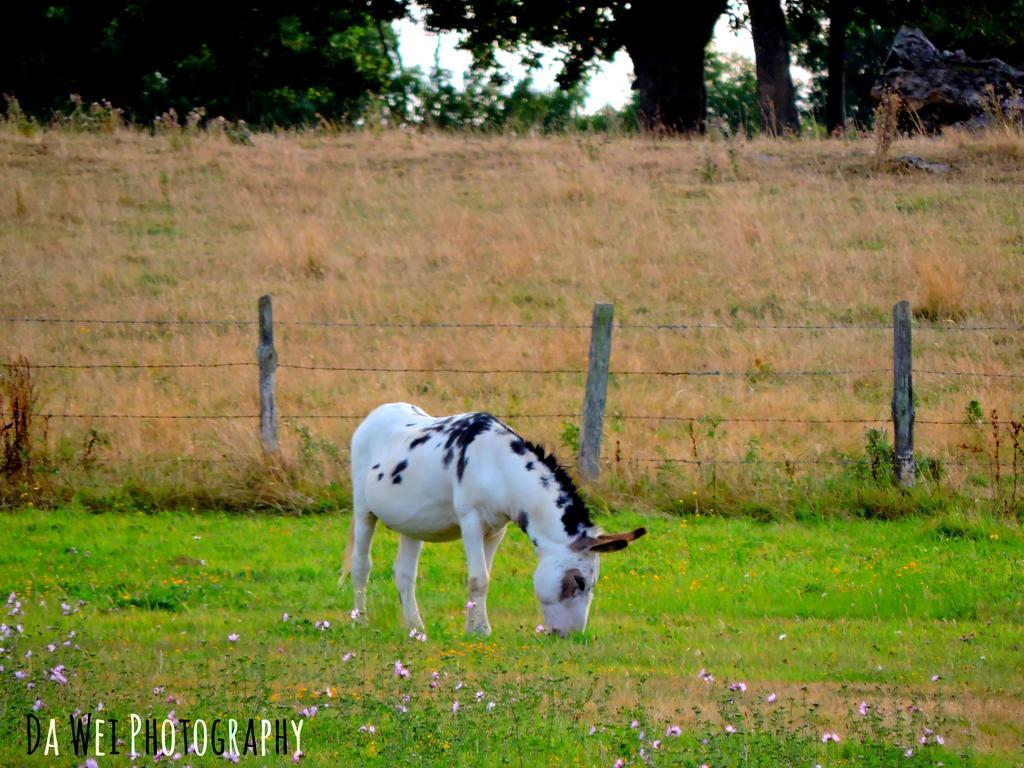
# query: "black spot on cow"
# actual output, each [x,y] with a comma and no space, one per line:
[518,446]
[440,425]
[396,473]
[380,476]
[545,481]
[419,441]
[461,434]
[529,466]
[534,542]
[375,466]
[563,500]
[396,480]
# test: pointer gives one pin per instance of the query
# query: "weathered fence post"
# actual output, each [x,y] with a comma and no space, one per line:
[597,391]
[902,396]
[267,356]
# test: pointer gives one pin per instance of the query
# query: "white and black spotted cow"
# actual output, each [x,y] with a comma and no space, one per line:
[468,476]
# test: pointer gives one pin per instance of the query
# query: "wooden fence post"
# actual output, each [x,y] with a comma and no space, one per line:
[902,396]
[597,391]
[267,356]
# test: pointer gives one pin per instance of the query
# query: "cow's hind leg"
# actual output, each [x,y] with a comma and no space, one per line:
[365,523]
[405,579]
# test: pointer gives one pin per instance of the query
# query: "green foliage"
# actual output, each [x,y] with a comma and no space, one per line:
[315,62]
[973,415]
[571,436]
[585,31]
[253,61]
[731,84]
[879,454]
[483,104]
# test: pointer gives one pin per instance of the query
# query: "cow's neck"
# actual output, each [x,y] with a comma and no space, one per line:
[553,514]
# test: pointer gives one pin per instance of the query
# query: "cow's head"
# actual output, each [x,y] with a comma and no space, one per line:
[564,581]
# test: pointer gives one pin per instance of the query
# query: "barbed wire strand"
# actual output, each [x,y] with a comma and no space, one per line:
[767,373]
[483,371]
[513,416]
[94,366]
[605,462]
[786,462]
[165,460]
[666,326]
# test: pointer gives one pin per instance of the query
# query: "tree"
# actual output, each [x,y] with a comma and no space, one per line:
[775,93]
[835,104]
[666,42]
[266,61]
[823,26]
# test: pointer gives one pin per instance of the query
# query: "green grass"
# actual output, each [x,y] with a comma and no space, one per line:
[824,615]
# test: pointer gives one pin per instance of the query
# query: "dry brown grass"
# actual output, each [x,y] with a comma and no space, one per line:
[988,722]
[429,227]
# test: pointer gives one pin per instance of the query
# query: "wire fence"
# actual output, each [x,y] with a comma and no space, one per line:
[759,373]
[666,326]
[512,416]
[752,373]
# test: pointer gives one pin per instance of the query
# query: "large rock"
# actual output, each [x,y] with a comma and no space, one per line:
[946,87]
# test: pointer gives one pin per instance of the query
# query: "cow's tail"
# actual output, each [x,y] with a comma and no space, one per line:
[363,440]
[346,565]
[359,468]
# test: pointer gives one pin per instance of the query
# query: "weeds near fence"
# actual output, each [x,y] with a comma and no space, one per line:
[1006,114]
[886,125]
[1005,435]
[17,401]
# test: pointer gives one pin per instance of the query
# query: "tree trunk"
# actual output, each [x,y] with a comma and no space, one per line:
[835,91]
[775,94]
[666,43]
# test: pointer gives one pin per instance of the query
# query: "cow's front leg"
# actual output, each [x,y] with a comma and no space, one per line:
[491,543]
[476,559]
[405,579]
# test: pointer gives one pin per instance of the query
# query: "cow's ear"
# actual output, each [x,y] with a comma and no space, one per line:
[608,542]
[627,537]
[614,545]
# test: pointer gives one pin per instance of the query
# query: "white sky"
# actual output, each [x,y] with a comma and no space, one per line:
[610,84]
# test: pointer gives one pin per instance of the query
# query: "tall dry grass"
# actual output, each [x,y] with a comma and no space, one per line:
[434,227]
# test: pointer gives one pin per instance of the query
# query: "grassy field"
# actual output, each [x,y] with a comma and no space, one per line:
[395,226]
[919,619]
